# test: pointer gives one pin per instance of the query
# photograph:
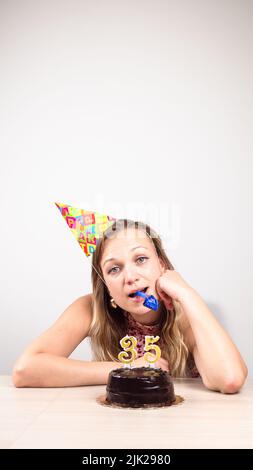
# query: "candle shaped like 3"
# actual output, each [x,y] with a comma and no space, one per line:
[128,343]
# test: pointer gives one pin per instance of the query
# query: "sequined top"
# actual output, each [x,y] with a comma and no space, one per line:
[134,328]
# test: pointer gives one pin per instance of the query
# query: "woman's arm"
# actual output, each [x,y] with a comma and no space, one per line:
[218,360]
[48,370]
[45,362]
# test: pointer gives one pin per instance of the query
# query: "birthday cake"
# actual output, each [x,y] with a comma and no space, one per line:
[139,386]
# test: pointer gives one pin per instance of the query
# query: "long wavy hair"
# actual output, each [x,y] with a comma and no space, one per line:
[108,324]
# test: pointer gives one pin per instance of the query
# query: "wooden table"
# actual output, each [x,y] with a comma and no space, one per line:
[71,418]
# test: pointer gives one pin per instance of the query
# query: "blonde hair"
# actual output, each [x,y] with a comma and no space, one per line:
[108,324]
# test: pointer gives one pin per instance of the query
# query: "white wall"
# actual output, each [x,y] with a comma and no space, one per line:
[129,108]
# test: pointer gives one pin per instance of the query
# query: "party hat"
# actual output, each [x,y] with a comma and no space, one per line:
[86,226]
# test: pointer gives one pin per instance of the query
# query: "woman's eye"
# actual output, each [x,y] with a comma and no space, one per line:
[111,270]
[140,259]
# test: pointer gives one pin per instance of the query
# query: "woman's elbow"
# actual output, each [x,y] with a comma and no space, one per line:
[235,383]
[18,377]
[232,384]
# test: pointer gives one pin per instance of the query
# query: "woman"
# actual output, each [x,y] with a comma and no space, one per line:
[130,257]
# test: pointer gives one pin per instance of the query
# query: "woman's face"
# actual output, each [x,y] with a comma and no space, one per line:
[130,263]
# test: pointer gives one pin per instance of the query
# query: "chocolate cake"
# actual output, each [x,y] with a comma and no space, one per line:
[139,386]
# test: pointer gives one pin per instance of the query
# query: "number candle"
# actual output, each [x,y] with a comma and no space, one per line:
[151,358]
[128,343]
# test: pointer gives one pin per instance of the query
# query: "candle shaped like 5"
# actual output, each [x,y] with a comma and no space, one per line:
[149,340]
[128,343]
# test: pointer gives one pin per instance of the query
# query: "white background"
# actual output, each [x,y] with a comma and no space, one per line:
[134,108]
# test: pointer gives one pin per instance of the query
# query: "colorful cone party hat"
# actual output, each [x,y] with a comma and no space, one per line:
[86,226]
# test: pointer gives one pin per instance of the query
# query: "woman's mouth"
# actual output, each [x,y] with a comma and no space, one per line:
[138,298]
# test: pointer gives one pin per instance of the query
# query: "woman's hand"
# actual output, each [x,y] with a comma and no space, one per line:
[170,286]
[162,363]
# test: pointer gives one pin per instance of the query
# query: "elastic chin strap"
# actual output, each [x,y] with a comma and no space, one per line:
[98,274]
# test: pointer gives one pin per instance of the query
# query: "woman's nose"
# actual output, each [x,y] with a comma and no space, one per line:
[130,275]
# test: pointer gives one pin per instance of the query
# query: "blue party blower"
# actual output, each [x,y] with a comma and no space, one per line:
[150,301]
